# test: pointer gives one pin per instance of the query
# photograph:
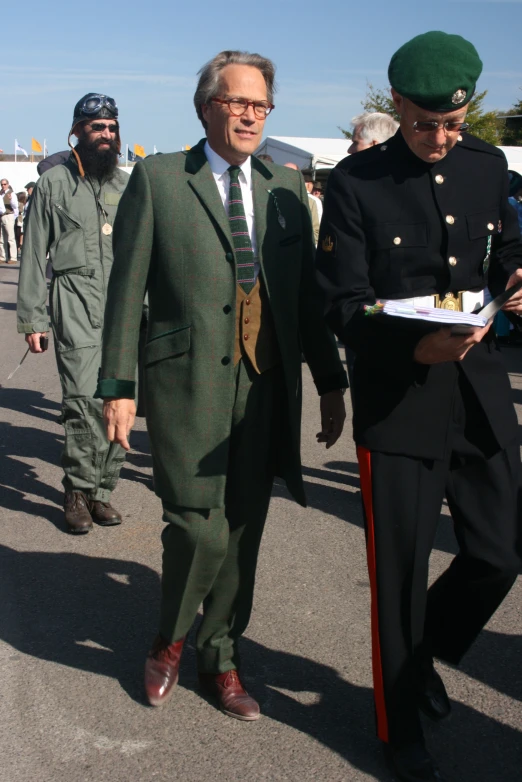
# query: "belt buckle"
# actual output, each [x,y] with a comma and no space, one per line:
[450,301]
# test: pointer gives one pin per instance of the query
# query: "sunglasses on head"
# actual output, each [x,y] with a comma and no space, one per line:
[99,127]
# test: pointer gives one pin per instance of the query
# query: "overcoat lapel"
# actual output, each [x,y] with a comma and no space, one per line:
[203,183]
[261,178]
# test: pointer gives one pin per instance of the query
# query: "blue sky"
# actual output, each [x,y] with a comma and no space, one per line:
[147,56]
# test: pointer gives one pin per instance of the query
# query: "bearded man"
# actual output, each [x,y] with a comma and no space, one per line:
[73,207]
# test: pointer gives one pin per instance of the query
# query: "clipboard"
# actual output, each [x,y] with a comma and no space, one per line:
[489,311]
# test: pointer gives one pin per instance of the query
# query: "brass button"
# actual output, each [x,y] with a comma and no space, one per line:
[245,336]
[439,179]
[397,240]
[490,226]
[450,219]
[247,320]
[452,260]
[247,301]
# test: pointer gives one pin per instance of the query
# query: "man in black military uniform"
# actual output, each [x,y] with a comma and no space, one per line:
[425,217]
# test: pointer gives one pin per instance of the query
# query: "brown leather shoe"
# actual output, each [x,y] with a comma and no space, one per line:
[232,698]
[162,670]
[104,514]
[77,516]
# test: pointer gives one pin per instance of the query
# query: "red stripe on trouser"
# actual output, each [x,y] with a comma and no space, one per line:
[365,470]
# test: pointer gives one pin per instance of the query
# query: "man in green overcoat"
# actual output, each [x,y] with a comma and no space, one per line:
[69,224]
[223,245]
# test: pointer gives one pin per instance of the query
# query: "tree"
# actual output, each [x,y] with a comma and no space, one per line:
[484,124]
[512,131]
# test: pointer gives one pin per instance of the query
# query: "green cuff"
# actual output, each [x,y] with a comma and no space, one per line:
[33,328]
[117,389]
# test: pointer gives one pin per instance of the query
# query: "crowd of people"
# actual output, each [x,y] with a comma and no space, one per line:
[233,268]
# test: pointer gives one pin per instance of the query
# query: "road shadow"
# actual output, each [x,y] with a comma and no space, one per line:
[106,624]
[22,400]
[494,659]
[18,480]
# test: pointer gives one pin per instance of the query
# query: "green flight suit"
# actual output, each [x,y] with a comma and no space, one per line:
[65,223]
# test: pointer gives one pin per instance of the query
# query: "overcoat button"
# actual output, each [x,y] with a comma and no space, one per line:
[439,179]
[229,257]
[450,219]
[397,240]
[225,360]
[452,260]
[490,226]
[227,308]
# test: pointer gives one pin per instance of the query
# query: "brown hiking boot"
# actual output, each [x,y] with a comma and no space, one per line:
[104,514]
[77,516]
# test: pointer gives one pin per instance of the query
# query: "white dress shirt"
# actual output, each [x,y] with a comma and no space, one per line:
[219,169]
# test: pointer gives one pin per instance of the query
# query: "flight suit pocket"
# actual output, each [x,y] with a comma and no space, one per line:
[167,345]
[68,251]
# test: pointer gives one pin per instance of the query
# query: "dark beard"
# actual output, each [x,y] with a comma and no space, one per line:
[98,163]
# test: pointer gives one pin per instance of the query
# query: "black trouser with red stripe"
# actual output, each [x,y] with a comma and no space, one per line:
[402,499]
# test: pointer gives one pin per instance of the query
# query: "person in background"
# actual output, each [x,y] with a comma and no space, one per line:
[309,184]
[8,215]
[371,128]
[72,212]
[19,224]
[317,190]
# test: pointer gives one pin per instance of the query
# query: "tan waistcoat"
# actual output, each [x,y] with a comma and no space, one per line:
[255,331]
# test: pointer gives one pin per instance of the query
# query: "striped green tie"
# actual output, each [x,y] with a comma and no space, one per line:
[240,236]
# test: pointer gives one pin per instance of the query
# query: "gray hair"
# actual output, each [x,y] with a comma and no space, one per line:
[374,126]
[208,84]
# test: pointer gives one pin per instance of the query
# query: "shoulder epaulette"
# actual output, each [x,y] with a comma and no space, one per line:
[469,141]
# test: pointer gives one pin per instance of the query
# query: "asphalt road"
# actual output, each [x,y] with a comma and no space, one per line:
[77,615]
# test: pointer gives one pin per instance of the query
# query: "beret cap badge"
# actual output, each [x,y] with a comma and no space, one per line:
[458,97]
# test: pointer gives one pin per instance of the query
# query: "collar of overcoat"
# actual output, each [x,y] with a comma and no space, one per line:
[202,182]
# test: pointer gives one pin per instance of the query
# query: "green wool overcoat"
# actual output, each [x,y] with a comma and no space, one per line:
[172,239]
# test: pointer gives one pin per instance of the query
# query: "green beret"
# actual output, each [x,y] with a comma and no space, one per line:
[436,71]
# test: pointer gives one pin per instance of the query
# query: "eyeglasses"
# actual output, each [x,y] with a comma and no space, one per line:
[239,106]
[93,104]
[449,127]
[99,127]
[4,183]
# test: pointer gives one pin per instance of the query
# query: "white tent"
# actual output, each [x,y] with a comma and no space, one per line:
[305,152]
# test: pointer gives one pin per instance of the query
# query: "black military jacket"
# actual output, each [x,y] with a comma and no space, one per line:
[396,227]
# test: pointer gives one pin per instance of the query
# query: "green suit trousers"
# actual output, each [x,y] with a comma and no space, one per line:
[210,554]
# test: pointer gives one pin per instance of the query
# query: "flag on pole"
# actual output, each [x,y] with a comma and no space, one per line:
[139,151]
[18,148]
[131,157]
[35,145]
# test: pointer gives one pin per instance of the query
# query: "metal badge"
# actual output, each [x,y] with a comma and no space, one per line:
[106,229]
[458,97]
